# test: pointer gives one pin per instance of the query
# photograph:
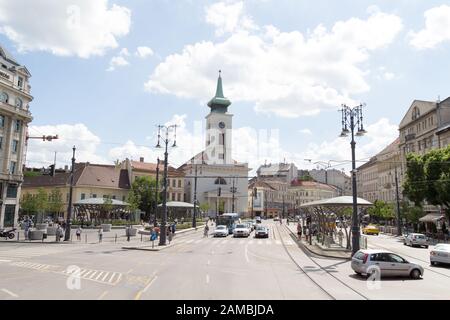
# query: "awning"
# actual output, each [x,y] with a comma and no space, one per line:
[100,201]
[345,201]
[432,217]
[178,204]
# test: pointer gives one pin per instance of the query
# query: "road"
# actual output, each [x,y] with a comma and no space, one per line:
[203,268]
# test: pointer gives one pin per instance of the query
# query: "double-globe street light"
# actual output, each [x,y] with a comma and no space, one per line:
[352,118]
[165,140]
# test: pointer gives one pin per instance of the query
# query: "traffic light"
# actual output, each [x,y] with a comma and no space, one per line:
[52,170]
[219,192]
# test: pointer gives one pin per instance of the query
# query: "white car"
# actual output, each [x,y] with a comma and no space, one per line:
[440,254]
[221,231]
[416,239]
[241,230]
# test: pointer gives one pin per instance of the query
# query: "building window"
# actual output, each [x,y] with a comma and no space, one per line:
[2,121]
[15,146]
[179,197]
[12,167]
[83,196]
[20,82]
[94,195]
[221,156]
[11,192]
[173,197]
[123,198]
[17,125]
[4,97]
[113,197]
[415,113]
[174,183]
[220,180]
[10,211]
[19,103]
[179,183]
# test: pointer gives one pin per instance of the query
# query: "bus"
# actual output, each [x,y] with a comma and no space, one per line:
[229,220]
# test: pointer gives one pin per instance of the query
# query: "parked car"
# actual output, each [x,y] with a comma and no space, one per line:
[370,229]
[241,230]
[276,219]
[220,231]
[440,254]
[369,262]
[416,239]
[258,220]
[261,232]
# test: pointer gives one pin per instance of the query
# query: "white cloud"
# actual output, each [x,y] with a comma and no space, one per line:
[124,52]
[228,17]
[115,62]
[284,73]
[305,131]
[89,27]
[41,154]
[143,52]
[436,31]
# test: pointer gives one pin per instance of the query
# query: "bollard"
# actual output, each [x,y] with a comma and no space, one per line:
[18,235]
[115,238]
[153,244]
[86,238]
[71,236]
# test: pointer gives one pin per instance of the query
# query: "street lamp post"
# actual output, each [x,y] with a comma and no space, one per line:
[194,218]
[155,222]
[348,120]
[69,209]
[399,225]
[167,129]
[233,191]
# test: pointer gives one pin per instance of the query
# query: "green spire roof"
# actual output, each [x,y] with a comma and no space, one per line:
[219,103]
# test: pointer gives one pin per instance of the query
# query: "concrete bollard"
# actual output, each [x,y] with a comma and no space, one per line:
[115,238]
[18,235]
[86,238]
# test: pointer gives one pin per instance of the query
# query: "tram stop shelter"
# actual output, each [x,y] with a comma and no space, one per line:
[97,209]
[179,209]
[325,213]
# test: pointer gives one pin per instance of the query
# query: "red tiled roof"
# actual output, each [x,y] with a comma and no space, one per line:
[151,167]
[301,183]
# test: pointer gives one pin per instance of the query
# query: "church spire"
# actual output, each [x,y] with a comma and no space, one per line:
[219,103]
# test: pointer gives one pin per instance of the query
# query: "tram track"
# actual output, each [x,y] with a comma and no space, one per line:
[319,266]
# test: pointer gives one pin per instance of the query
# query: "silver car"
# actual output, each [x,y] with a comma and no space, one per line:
[440,254]
[370,262]
[221,231]
[416,239]
[261,232]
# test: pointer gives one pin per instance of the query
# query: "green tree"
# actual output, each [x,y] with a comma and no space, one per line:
[382,210]
[414,184]
[28,204]
[56,204]
[142,195]
[204,207]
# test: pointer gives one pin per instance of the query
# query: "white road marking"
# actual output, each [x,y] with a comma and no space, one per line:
[93,275]
[198,241]
[259,242]
[100,274]
[242,242]
[189,241]
[112,277]
[10,293]
[268,242]
[208,263]
[246,253]
[207,278]
[224,241]
[5,260]
[250,242]
[102,295]
[277,241]
[107,273]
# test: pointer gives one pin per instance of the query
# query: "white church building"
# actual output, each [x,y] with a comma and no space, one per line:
[221,181]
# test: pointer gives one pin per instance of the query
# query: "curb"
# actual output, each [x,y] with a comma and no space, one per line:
[313,252]
[144,248]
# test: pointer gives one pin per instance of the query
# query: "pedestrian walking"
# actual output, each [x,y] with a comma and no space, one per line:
[78,234]
[100,234]
[299,231]
[206,230]
[58,233]
[307,235]
[169,235]
[340,237]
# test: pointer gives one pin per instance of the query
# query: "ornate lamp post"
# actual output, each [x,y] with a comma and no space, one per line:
[165,140]
[69,208]
[352,118]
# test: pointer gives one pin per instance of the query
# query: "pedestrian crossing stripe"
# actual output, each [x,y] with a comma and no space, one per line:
[238,242]
[106,277]
[33,265]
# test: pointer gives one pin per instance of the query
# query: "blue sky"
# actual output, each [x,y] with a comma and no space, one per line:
[287,66]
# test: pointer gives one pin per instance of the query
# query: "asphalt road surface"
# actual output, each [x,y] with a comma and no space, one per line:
[205,268]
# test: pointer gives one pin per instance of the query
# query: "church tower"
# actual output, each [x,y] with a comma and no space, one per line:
[219,128]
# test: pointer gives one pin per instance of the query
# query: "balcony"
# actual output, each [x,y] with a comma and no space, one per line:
[410,137]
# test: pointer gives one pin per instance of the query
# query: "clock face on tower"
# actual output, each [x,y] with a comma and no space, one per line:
[222,125]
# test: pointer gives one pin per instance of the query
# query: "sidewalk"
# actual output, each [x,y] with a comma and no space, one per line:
[318,249]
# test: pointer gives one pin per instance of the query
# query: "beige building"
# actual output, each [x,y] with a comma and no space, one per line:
[309,191]
[14,118]
[367,180]
[175,181]
[90,181]
[273,196]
